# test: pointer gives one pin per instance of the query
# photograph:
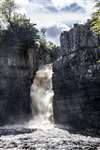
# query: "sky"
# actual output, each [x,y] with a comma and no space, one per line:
[56,15]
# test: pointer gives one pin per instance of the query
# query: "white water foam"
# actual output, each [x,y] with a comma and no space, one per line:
[42,98]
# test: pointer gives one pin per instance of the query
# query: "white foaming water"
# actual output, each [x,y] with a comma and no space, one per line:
[42,98]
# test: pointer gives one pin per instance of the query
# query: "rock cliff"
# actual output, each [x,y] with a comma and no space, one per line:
[16,74]
[18,68]
[76,80]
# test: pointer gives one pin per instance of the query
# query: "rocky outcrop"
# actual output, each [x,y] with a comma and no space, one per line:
[76,80]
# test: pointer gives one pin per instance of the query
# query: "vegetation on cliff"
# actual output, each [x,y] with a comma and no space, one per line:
[96,18]
[20,28]
[95,23]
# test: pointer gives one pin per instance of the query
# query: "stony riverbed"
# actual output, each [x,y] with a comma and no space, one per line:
[49,139]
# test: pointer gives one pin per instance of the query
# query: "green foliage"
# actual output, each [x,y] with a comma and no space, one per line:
[42,40]
[20,29]
[52,45]
[18,26]
[25,31]
[95,23]
[6,10]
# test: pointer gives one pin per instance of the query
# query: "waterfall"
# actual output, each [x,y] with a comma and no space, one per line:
[42,95]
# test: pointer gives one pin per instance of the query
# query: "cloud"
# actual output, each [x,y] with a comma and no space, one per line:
[74,8]
[53,32]
[22,6]
[86,4]
[61,17]
[52,14]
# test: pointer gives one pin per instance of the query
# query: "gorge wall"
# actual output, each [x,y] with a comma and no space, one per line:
[76,80]
[18,69]
[16,74]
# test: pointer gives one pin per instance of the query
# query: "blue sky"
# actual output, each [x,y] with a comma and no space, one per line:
[56,15]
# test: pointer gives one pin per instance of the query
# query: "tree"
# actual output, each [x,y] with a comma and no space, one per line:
[6,10]
[18,26]
[42,41]
[51,45]
[95,23]
[25,31]
[20,29]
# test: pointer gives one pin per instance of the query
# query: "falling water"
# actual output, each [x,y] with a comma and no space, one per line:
[42,96]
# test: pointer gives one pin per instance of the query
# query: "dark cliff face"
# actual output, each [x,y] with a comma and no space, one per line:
[16,74]
[76,80]
[18,68]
